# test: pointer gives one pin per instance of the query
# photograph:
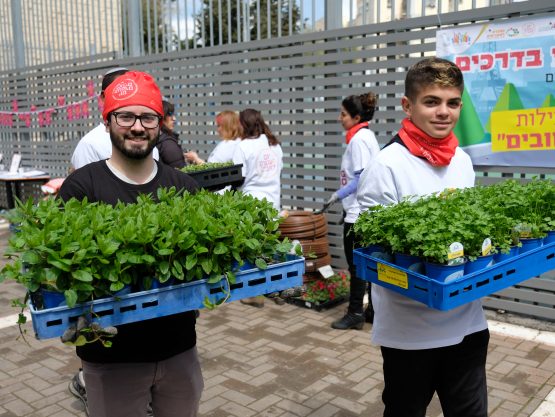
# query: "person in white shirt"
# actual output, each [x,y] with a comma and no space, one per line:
[426,350]
[260,153]
[96,144]
[356,112]
[229,129]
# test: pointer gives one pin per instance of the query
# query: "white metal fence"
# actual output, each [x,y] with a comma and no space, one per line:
[39,32]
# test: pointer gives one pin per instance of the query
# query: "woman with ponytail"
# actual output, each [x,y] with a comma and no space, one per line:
[260,153]
[356,113]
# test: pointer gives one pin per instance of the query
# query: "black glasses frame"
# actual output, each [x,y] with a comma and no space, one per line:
[140,117]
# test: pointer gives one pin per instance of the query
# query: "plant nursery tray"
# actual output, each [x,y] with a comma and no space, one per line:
[144,305]
[216,178]
[318,306]
[470,287]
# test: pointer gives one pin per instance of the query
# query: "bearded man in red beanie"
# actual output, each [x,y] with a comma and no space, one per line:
[152,359]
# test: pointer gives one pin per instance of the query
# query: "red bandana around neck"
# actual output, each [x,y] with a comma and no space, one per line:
[353,130]
[438,152]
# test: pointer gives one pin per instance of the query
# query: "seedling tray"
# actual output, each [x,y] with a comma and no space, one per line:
[470,287]
[165,301]
[217,178]
[318,306]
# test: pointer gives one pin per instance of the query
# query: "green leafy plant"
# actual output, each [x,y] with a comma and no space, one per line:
[206,166]
[93,250]
[426,226]
[530,206]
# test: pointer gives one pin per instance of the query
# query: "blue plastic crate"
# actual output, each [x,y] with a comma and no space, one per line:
[446,296]
[174,299]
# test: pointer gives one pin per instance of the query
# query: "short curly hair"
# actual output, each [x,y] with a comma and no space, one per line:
[432,71]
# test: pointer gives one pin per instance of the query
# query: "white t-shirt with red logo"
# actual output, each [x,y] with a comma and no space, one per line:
[360,151]
[262,165]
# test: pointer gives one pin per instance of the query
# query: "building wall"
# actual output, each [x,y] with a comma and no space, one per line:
[59,30]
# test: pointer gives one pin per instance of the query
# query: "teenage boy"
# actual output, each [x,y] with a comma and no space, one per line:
[152,359]
[426,350]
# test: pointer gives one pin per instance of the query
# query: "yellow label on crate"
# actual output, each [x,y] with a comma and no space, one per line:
[392,276]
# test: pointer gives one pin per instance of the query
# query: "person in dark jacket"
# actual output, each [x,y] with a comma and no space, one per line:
[168,145]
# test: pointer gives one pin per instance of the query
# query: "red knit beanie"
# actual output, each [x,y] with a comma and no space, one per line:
[133,88]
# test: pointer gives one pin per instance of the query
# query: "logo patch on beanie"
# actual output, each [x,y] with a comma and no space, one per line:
[124,89]
[132,89]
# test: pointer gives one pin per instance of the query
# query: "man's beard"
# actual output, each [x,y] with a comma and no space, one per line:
[134,152]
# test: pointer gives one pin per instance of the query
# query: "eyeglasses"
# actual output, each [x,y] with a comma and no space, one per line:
[148,121]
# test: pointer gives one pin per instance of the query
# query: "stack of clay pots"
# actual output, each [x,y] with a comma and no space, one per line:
[312,231]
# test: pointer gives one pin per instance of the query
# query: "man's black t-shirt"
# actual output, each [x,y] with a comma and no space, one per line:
[144,341]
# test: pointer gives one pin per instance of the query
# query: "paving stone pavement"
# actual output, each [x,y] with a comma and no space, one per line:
[277,361]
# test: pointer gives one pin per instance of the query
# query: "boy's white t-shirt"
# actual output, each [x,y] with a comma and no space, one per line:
[262,165]
[223,152]
[400,322]
[362,147]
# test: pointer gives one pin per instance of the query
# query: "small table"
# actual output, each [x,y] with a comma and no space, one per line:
[13,185]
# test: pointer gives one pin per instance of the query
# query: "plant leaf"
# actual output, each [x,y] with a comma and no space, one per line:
[220,249]
[82,275]
[71,297]
[261,263]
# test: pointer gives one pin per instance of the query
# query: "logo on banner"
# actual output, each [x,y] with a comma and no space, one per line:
[461,39]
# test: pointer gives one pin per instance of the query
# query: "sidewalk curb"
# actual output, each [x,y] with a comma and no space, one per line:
[521,332]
